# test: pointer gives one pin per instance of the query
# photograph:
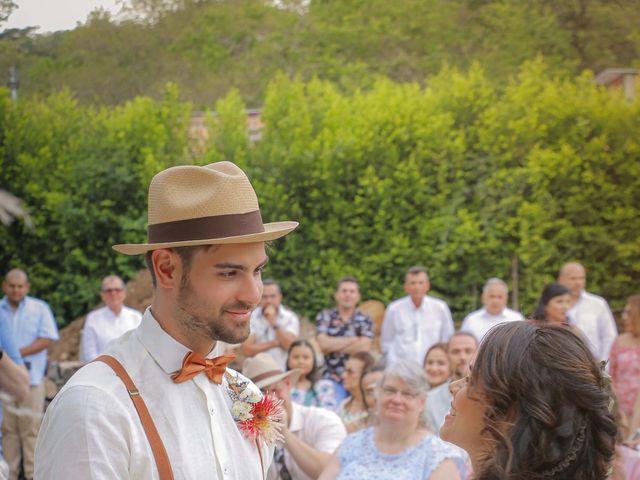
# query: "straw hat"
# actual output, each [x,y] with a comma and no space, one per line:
[263,370]
[204,205]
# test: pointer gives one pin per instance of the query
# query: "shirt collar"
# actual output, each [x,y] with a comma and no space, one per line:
[164,349]
[4,303]
[423,303]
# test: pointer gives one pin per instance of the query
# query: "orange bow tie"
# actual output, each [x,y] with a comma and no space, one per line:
[194,363]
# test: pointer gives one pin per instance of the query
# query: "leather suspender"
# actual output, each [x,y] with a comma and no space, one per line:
[157,447]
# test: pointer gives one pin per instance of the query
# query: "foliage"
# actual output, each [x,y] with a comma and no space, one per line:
[208,47]
[460,175]
[83,174]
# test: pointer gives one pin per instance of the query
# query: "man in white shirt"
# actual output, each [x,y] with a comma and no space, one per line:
[460,350]
[415,322]
[205,253]
[495,311]
[311,434]
[589,312]
[109,322]
[273,326]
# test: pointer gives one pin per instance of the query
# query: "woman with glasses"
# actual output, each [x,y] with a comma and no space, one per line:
[399,447]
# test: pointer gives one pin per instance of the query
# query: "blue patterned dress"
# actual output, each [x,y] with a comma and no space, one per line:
[360,459]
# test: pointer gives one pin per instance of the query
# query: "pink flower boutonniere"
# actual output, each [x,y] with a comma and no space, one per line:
[257,415]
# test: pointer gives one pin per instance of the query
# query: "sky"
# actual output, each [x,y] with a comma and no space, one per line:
[53,15]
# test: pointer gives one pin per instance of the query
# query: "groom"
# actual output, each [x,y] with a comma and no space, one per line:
[205,253]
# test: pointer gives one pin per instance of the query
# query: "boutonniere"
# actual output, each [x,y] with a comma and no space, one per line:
[257,415]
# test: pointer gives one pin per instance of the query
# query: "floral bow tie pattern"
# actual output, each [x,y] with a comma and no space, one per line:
[194,363]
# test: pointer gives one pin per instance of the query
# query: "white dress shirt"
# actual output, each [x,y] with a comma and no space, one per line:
[480,322]
[591,314]
[408,332]
[91,429]
[103,326]
[264,332]
[438,405]
[317,427]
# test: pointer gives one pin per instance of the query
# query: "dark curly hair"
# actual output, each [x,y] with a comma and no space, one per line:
[547,405]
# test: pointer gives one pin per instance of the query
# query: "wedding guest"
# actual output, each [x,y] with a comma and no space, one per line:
[536,404]
[399,447]
[369,383]
[624,359]
[309,434]
[553,305]
[588,312]
[415,322]
[353,411]
[460,350]
[495,294]
[309,390]
[627,459]
[108,322]
[273,326]
[437,365]
[342,331]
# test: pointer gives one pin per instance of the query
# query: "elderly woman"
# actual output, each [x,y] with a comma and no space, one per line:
[535,405]
[399,447]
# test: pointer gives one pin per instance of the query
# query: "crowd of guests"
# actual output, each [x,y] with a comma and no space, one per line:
[354,412]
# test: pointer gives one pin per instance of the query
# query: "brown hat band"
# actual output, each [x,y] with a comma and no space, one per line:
[264,375]
[203,228]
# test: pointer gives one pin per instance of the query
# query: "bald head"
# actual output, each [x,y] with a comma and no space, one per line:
[15,286]
[573,276]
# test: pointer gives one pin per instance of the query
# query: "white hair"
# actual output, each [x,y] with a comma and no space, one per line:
[410,373]
[495,281]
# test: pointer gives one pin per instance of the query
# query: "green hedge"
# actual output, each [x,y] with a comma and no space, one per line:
[456,175]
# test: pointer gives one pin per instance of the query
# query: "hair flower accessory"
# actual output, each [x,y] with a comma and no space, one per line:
[257,415]
[605,383]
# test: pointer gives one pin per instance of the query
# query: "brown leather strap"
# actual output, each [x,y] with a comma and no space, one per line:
[261,461]
[157,447]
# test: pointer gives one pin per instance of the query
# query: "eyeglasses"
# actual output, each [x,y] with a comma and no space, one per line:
[112,290]
[392,392]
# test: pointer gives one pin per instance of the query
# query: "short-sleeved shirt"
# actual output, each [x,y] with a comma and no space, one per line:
[360,458]
[480,322]
[103,326]
[7,345]
[319,428]
[592,315]
[264,332]
[330,323]
[409,331]
[33,319]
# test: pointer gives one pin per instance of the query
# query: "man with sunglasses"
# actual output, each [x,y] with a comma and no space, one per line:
[109,322]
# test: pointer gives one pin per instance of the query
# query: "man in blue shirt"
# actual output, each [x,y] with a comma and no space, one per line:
[33,329]
[14,378]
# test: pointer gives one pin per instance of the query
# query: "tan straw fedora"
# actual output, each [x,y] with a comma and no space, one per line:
[204,205]
[263,370]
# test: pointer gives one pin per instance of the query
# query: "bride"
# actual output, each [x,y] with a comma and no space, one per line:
[535,405]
